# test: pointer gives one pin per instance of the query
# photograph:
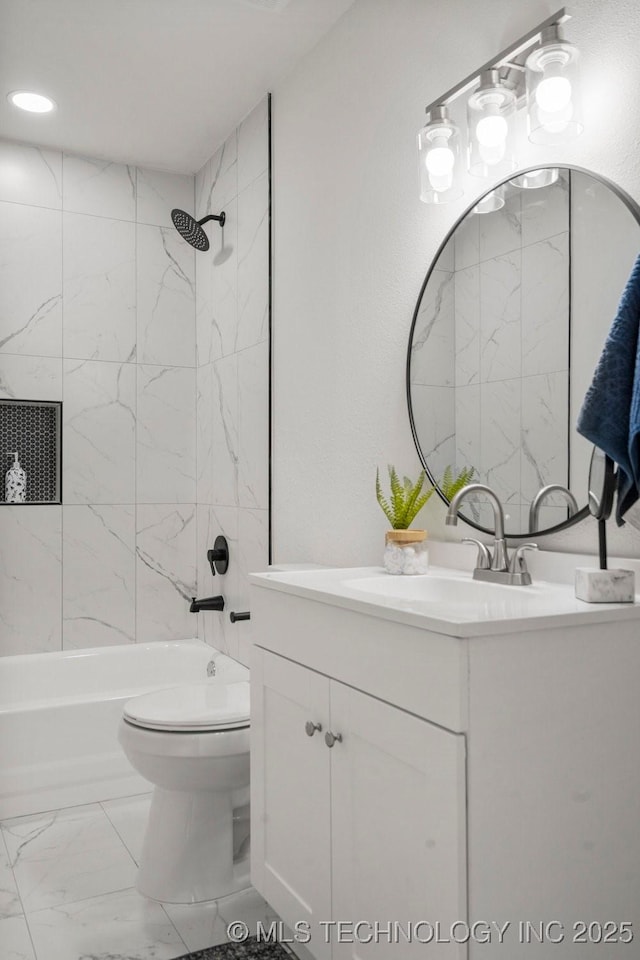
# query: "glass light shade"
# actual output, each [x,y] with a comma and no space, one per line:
[32,102]
[492,201]
[490,118]
[535,179]
[553,90]
[439,159]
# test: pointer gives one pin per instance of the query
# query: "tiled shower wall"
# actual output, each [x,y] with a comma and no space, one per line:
[232,332]
[98,309]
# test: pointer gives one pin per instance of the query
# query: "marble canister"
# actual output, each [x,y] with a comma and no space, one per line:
[605,586]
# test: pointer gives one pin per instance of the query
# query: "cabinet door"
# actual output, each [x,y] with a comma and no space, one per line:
[290,792]
[398,829]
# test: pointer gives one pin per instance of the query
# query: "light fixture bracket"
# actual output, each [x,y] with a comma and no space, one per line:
[510,59]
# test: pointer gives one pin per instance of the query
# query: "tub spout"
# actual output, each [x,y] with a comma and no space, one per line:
[206,603]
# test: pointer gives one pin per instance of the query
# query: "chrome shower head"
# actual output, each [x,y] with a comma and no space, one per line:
[191,229]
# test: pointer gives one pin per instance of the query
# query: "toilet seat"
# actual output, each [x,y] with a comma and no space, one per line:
[193,708]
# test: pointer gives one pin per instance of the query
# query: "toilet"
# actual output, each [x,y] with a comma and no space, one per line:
[192,743]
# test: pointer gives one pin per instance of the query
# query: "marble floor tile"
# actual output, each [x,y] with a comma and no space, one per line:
[204,925]
[247,906]
[117,926]
[10,905]
[66,855]
[129,816]
[15,941]
[197,923]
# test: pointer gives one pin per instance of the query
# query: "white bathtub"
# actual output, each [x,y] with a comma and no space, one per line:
[59,716]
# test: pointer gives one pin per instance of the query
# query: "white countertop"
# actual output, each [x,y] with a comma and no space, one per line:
[447,600]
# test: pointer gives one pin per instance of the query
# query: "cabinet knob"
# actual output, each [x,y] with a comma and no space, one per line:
[331,738]
[310,728]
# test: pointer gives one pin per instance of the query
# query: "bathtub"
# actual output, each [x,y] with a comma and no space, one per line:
[59,715]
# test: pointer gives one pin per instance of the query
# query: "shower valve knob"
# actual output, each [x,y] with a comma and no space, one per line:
[218,557]
[331,738]
[310,728]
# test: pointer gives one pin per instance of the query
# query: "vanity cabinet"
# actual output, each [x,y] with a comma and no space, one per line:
[486,775]
[368,829]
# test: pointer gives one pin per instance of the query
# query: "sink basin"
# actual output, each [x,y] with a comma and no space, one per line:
[440,588]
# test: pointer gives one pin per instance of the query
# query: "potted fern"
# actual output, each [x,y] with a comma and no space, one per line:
[405,549]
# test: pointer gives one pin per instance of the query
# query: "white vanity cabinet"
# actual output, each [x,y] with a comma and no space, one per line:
[487,773]
[369,829]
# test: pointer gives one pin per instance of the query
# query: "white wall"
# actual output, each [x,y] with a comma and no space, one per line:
[353,242]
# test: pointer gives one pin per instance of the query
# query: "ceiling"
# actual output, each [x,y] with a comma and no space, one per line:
[157,83]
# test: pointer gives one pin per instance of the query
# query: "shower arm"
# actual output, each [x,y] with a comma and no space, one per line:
[212,216]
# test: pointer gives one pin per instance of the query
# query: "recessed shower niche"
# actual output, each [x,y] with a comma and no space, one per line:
[32,429]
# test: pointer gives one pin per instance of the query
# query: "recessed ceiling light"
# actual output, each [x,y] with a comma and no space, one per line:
[33,102]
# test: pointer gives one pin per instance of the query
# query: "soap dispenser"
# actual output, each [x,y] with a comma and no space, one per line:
[15,485]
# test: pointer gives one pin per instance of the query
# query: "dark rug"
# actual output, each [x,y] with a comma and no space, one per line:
[249,950]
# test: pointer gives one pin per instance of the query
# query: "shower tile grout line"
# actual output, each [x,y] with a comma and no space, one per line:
[61,461]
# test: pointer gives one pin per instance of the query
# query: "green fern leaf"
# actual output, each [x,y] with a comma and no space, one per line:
[397,498]
[382,500]
[450,484]
[406,500]
[413,492]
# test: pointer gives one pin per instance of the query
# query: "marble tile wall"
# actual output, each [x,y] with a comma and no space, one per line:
[97,309]
[232,349]
[512,349]
[490,354]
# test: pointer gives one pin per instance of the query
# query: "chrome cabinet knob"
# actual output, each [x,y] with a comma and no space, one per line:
[310,728]
[331,738]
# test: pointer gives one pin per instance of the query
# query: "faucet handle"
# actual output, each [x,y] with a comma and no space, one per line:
[518,563]
[483,560]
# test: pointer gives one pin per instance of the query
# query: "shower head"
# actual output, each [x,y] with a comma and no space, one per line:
[191,229]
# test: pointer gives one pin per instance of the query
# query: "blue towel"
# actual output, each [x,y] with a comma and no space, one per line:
[610,414]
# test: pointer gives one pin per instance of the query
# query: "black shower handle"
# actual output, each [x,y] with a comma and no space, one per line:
[218,557]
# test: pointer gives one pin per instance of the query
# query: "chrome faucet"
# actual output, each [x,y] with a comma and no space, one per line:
[544,492]
[493,565]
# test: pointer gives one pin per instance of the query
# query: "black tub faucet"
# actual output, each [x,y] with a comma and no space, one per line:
[206,603]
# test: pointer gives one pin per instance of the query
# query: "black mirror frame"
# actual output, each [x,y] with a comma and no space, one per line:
[632,206]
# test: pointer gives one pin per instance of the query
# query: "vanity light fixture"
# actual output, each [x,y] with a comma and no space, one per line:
[491,111]
[538,75]
[554,113]
[31,102]
[439,152]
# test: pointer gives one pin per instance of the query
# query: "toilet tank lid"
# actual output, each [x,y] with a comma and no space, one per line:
[197,706]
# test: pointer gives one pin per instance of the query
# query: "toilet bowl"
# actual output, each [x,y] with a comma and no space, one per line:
[192,743]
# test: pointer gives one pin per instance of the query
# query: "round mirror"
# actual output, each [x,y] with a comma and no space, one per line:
[506,335]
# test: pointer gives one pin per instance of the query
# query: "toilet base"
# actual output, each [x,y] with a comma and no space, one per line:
[187,854]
